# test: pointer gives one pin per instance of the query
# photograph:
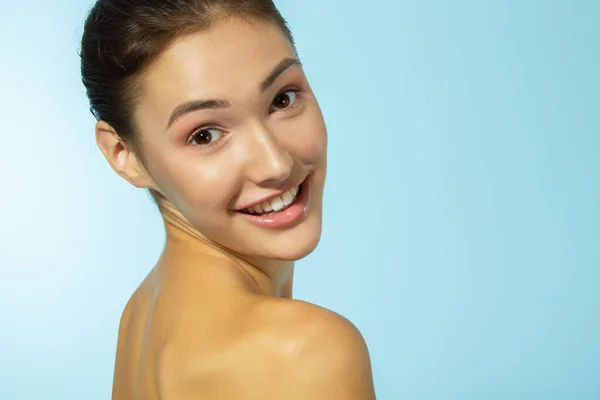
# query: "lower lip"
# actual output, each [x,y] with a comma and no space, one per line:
[286,217]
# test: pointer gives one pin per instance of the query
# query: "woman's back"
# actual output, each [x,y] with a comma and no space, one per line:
[194,330]
[176,305]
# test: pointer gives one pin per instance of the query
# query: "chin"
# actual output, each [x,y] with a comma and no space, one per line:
[297,249]
[291,245]
[290,234]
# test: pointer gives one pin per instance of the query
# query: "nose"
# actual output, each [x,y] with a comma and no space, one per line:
[268,162]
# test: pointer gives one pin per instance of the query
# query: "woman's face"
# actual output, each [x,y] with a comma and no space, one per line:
[234,138]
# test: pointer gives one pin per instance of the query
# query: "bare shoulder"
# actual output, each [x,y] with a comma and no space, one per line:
[322,355]
[284,349]
[129,344]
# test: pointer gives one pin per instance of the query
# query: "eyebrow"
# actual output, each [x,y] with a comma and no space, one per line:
[196,105]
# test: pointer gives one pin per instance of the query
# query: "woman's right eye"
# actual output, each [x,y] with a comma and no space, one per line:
[205,136]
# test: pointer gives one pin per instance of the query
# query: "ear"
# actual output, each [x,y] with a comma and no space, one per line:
[121,157]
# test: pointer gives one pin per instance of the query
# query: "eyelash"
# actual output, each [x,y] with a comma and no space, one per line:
[295,90]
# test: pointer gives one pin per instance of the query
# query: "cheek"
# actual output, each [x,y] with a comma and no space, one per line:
[198,186]
[306,136]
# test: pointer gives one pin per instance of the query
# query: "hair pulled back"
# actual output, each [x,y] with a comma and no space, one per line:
[122,37]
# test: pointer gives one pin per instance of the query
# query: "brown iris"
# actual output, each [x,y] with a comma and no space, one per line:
[282,101]
[203,137]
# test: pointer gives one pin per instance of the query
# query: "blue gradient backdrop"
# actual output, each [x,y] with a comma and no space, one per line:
[461,220]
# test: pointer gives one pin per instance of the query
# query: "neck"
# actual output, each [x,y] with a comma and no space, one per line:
[264,276]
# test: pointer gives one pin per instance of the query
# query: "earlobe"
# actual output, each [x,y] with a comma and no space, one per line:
[121,157]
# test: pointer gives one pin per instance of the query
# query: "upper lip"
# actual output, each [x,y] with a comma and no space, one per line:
[269,197]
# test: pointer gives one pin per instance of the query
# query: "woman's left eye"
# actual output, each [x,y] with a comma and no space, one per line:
[284,100]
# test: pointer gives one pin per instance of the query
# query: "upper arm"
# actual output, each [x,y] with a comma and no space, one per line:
[332,363]
[305,354]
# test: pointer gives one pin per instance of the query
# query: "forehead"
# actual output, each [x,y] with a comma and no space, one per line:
[231,55]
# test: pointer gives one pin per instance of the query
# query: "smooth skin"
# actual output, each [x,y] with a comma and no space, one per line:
[215,318]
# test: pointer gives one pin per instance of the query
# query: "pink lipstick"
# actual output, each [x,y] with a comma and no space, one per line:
[282,211]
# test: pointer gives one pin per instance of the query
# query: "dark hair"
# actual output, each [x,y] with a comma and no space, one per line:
[122,37]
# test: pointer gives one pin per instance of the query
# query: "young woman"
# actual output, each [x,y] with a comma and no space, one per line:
[205,103]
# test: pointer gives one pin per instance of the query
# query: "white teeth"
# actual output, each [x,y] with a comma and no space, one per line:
[277,203]
[287,198]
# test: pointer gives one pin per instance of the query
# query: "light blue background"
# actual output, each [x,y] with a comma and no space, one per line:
[461,219]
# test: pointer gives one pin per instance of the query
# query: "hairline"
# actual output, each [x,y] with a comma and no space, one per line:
[134,84]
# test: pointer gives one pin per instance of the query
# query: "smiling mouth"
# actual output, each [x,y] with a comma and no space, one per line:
[275,205]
